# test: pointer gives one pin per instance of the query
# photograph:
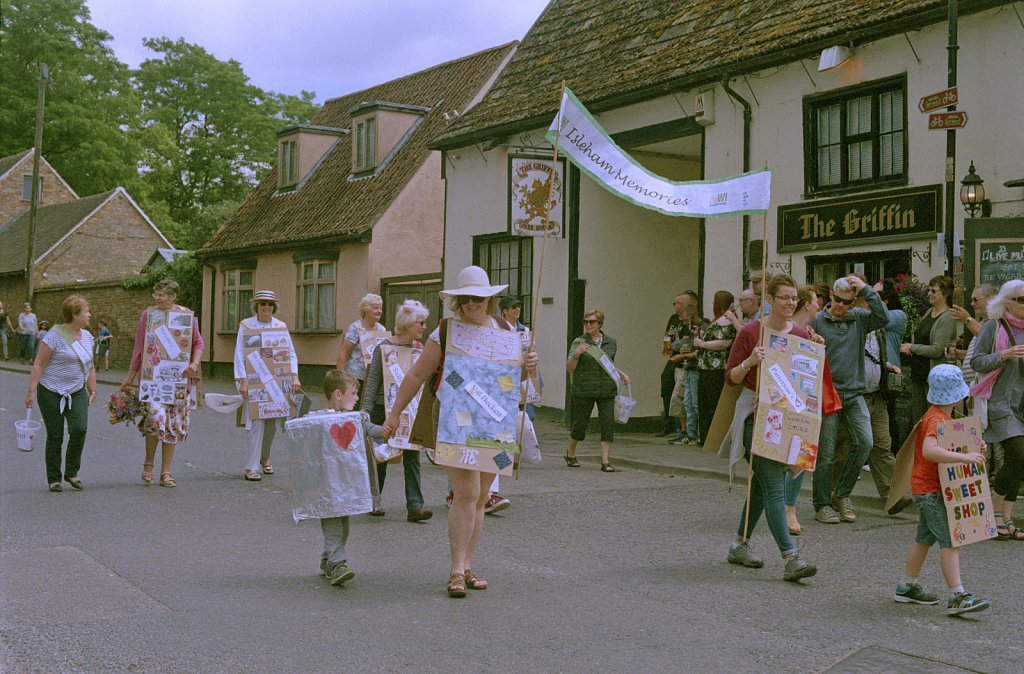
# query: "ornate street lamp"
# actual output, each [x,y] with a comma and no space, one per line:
[972,194]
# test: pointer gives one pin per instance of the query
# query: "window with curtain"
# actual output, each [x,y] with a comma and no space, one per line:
[237,297]
[856,137]
[316,295]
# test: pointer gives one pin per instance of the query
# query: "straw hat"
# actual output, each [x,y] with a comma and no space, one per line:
[473,281]
[264,296]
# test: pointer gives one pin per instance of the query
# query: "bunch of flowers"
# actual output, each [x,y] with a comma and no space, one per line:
[913,299]
[125,407]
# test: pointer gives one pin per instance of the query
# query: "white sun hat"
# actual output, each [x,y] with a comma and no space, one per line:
[473,281]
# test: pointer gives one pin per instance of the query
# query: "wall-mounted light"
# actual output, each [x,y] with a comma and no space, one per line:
[833,57]
[972,194]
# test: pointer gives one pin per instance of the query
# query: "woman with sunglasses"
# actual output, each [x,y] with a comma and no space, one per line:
[262,431]
[595,380]
[474,302]
[936,329]
[767,486]
[999,359]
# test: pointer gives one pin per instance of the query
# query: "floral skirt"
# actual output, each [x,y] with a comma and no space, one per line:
[167,423]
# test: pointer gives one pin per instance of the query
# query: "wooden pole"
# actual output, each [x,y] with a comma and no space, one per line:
[757,386]
[543,247]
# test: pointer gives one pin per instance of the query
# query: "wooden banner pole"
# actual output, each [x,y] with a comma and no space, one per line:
[757,385]
[540,266]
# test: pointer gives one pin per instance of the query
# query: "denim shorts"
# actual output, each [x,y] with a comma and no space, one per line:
[932,523]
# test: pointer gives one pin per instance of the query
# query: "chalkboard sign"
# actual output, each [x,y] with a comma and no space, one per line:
[998,261]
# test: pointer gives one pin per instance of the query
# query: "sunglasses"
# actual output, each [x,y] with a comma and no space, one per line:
[932,291]
[1019,299]
[587,321]
[264,303]
[466,299]
[840,300]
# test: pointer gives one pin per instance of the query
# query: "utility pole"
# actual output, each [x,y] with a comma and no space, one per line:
[44,74]
[949,229]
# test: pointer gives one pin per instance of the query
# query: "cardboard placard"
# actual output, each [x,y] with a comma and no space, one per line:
[904,467]
[369,340]
[788,418]
[965,488]
[396,361]
[725,410]
[168,349]
[479,394]
[268,369]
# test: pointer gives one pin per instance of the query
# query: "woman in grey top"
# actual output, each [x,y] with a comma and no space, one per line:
[28,331]
[999,358]
[351,357]
[64,380]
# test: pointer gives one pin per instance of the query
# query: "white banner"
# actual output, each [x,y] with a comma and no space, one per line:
[590,147]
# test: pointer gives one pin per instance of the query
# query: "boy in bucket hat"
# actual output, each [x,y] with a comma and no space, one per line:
[946,388]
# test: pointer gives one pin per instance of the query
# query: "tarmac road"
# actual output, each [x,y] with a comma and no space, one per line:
[589,571]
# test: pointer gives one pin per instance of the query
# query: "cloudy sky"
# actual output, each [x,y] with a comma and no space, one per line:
[331,47]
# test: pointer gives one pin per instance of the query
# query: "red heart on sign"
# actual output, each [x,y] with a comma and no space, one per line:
[343,434]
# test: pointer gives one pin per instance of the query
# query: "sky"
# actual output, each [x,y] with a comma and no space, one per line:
[331,47]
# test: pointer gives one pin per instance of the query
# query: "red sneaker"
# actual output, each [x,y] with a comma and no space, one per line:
[496,503]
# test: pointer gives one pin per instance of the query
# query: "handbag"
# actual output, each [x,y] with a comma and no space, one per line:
[624,405]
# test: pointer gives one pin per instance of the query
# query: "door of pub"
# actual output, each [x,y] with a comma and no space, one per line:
[423,287]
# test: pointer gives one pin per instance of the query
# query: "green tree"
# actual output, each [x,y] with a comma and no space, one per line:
[208,134]
[89,98]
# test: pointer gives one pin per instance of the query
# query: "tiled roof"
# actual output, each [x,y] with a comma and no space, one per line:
[7,162]
[52,222]
[610,53]
[327,205]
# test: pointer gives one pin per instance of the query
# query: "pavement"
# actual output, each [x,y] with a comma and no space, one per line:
[639,451]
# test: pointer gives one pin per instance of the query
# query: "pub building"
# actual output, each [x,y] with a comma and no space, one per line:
[828,96]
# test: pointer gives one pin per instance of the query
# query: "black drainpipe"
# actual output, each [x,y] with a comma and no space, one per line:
[746,167]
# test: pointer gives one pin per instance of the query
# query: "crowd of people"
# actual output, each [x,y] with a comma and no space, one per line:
[862,327]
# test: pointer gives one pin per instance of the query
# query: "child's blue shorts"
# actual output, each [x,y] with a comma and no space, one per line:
[932,524]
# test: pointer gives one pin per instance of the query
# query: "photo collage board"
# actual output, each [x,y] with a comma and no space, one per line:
[789,401]
[167,354]
[268,369]
[479,393]
[396,362]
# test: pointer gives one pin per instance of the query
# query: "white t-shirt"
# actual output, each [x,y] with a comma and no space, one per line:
[66,373]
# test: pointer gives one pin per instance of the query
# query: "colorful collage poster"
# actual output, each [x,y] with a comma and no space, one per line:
[396,361]
[167,355]
[965,489]
[789,404]
[268,368]
[479,395]
[370,340]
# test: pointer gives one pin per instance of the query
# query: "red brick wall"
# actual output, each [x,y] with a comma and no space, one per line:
[11,203]
[109,302]
[114,243]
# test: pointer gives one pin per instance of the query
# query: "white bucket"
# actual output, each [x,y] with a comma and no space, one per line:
[27,430]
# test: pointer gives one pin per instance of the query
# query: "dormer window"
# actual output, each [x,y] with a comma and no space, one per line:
[365,145]
[287,163]
[379,129]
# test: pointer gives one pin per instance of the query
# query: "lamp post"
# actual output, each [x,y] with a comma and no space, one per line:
[972,194]
[44,75]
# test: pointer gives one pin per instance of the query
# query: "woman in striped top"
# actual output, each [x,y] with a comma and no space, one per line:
[64,381]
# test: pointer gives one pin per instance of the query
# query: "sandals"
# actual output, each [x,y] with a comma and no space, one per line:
[474,582]
[571,461]
[75,483]
[147,475]
[457,585]
[253,476]
[608,468]
[267,468]
[1008,531]
[166,480]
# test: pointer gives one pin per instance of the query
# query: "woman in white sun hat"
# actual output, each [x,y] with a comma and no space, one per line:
[262,431]
[474,301]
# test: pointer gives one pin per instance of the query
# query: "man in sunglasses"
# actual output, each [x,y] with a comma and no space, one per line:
[845,330]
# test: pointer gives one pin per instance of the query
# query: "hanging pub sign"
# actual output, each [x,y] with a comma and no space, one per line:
[536,197]
[911,213]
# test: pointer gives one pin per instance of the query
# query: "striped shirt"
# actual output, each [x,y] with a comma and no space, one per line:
[65,373]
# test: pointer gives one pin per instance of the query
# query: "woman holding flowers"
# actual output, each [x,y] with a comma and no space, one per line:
[165,423]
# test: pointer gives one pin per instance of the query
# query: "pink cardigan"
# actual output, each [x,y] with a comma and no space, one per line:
[140,339]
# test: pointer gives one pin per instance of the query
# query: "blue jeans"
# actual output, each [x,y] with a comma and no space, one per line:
[766,496]
[857,421]
[690,405]
[793,485]
[28,346]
